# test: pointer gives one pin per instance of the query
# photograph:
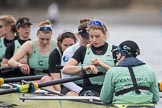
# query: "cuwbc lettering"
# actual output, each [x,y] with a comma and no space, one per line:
[40,63]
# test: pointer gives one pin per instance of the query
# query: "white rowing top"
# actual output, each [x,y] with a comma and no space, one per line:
[68,53]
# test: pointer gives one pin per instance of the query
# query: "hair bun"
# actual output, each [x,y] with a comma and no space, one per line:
[84,20]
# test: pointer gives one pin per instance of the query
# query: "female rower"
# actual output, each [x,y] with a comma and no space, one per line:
[23,26]
[73,88]
[95,57]
[64,40]
[7,33]
[131,81]
[37,53]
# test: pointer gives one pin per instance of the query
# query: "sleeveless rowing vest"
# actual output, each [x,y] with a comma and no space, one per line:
[2,49]
[17,46]
[59,53]
[107,58]
[37,61]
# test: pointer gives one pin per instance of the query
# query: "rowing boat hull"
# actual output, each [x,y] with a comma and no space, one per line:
[13,101]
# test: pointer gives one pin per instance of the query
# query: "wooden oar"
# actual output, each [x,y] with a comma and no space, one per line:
[34,86]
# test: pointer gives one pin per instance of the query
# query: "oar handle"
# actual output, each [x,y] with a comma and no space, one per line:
[14,90]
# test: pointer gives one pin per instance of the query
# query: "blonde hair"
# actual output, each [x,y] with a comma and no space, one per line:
[9,20]
[45,22]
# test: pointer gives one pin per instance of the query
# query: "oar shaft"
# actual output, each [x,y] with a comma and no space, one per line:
[67,80]
[9,91]
[26,78]
[32,87]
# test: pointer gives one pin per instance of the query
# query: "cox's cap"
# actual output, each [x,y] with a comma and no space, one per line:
[129,48]
[83,32]
[22,21]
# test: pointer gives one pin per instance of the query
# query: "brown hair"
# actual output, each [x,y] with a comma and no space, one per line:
[64,35]
[9,20]
[83,23]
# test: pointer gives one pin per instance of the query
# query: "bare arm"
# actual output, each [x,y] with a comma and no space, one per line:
[25,49]
[56,76]
[4,62]
[71,67]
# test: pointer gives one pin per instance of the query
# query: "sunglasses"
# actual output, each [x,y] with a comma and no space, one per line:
[2,26]
[97,23]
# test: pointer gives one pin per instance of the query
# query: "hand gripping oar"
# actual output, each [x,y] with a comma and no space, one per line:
[18,79]
[31,87]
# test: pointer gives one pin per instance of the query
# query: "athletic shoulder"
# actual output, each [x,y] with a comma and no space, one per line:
[54,53]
